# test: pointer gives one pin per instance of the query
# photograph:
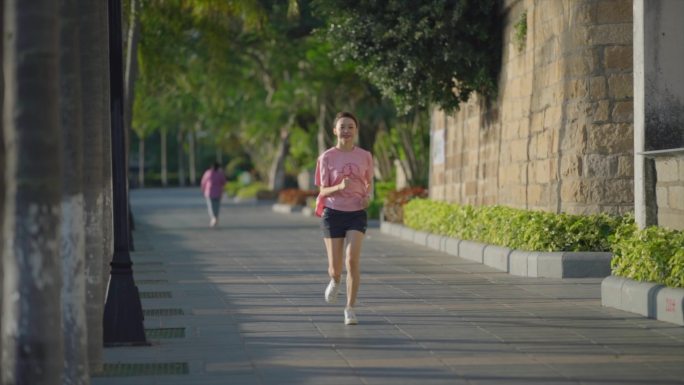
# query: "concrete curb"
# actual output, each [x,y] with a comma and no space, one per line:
[648,299]
[516,262]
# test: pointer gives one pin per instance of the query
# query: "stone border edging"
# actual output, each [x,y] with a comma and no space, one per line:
[563,264]
[648,299]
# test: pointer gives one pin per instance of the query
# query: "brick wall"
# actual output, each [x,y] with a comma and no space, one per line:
[559,135]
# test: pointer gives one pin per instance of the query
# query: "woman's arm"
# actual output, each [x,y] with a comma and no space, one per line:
[328,191]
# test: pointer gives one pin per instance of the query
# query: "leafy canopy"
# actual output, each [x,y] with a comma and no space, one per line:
[436,51]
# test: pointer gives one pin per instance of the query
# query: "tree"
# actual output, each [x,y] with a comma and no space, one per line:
[208,70]
[94,128]
[131,66]
[408,141]
[434,52]
[2,185]
[73,226]
[32,350]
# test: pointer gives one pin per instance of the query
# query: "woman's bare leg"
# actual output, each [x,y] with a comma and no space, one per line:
[335,249]
[354,242]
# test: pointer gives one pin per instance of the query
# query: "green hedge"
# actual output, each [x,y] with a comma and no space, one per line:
[251,190]
[514,228]
[654,254]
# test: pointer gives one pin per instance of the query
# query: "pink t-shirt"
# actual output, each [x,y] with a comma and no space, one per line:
[212,183]
[334,165]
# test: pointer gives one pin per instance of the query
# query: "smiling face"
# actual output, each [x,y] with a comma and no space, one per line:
[345,130]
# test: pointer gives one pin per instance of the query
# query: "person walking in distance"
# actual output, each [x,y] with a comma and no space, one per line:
[344,175]
[212,188]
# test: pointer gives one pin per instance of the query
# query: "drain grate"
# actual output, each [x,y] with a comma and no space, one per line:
[121,369]
[151,281]
[162,312]
[154,334]
[155,294]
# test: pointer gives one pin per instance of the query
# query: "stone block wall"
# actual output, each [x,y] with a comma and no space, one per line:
[558,137]
[670,192]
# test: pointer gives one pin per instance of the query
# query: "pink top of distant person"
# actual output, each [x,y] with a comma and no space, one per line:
[334,165]
[212,183]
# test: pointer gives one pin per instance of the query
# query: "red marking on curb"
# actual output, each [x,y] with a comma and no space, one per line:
[670,305]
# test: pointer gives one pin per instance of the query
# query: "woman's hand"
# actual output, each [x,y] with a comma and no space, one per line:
[343,185]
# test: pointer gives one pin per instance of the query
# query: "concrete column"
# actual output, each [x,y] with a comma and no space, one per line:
[658,97]
[642,214]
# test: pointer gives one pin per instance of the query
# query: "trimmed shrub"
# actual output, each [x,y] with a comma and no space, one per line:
[232,187]
[654,254]
[254,190]
[514,228]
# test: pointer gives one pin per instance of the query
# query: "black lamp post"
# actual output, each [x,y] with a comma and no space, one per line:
[123,317]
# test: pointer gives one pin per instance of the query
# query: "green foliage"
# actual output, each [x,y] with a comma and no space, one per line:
[232,187]
[374,208]
[417,54]
[408,140]
[654,254]
[302,151]
[236,166]
[520,35]
[382,189]
[251,190]
[514,228]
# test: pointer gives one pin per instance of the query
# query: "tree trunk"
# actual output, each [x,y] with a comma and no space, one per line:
[93,85]
[322,129]
[141,162]
[2,184]
[191,158]
[73,228]
[382,155]
[131,66]
[31,314]
[164,175]
[181,159]
[107,171]
[219,155]
[276,177]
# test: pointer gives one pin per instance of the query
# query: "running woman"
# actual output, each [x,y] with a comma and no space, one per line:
[344,174]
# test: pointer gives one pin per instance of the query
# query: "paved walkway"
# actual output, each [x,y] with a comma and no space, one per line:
[251,294]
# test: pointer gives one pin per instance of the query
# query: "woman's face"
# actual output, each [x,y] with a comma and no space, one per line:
[345,130]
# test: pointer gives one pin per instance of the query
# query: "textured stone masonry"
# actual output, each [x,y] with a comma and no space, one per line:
[561,134]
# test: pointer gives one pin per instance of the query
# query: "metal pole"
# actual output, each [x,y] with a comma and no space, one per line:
[123,318]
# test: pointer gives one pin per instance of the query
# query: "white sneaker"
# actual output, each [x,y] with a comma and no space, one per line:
[350,317]
[331,291]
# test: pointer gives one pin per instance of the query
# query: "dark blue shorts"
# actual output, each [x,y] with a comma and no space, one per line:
[336,223]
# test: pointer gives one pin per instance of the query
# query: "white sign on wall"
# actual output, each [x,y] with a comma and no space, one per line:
[437,146]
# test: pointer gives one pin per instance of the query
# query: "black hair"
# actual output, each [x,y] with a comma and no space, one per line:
[345,114]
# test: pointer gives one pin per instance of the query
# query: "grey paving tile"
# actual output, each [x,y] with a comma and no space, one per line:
[251,292]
